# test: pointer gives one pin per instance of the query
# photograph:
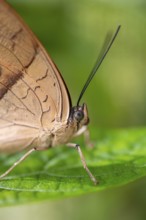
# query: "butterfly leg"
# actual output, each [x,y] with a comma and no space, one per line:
[17,162]
[87,139]
[84,130]
[76,146]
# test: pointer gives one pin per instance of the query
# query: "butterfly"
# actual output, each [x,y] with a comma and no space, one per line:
[36,111]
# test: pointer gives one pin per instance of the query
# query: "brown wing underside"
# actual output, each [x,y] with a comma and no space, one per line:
[32,91]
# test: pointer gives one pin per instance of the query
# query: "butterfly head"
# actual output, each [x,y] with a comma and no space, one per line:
[79,114]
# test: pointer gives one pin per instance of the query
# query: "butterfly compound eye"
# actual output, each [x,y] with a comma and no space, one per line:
[79,115]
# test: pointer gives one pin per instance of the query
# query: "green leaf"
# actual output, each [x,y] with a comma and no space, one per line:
[117,158]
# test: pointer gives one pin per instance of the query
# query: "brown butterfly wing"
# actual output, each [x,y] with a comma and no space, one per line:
[32,92]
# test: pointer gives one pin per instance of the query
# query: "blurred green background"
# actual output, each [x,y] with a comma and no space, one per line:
[73,32]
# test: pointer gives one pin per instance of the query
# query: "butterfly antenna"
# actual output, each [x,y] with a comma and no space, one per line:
[106,46]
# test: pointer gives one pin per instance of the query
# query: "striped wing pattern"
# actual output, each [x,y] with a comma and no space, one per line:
[33,94]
